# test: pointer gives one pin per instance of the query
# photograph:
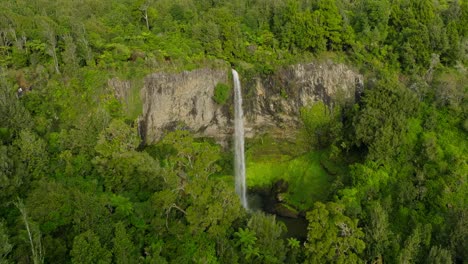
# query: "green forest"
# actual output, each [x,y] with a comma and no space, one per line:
[78,185]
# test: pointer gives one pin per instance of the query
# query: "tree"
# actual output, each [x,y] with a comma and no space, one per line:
[246,241]
[382,121]
[32,153]
[5,246]
[190,159]
[214,206]
[377,231]
[439,255]
[414,243]
[330,19]
[371,21]
[34,234]
[122,168]
[48,27]
[10,178]
[146,10]
[453,52]
[269,234]
[208,33]
[83,49]
[154,253]
[13,115]
[51,206]
[69,54]
[124,250]
[210,205]
[88,250]
[332,236]
[128,172]
[118,137]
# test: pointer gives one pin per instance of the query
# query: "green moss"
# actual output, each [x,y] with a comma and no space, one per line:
[267,148]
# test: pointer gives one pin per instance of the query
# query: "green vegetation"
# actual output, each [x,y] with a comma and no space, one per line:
[222,93]
[308,181]
[381,181]
[320,124]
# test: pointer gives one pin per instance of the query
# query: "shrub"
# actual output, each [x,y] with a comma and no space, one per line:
[221,93]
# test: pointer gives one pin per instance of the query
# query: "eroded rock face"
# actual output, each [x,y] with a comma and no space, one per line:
[279,98]
[185,100]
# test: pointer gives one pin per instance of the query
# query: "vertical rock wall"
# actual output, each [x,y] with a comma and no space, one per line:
[278,98]
[185,100]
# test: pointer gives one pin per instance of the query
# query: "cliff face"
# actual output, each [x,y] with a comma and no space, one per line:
[184,100]
[278,99]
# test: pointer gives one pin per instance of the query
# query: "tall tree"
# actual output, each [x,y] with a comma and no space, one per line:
[332,236]
[123,248]
[5,246]
[87,249]
[33,233]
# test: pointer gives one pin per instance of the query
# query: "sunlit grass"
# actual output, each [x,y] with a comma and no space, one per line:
[268,162]
[308,181]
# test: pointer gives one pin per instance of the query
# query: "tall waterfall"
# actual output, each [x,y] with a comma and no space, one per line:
[239,161]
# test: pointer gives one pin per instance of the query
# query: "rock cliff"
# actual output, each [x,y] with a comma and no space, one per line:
[277,99]
[185,100]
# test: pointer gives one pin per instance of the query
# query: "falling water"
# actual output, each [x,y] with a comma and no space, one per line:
[239,161]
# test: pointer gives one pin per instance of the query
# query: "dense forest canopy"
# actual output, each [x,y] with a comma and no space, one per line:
[77,185]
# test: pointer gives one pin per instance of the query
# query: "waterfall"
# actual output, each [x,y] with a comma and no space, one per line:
[239,161]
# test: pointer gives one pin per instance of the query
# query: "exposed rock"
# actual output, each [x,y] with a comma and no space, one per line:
[185,100]
[279,98]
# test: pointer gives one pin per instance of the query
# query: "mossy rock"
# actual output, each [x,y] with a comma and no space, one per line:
[286,210]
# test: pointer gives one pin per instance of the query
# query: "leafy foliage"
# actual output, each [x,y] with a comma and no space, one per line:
[93,193]
[332,236]
[222,92]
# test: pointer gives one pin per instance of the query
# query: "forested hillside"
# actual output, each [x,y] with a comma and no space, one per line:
[77,185]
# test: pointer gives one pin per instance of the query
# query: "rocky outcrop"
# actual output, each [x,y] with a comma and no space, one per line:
[185,100]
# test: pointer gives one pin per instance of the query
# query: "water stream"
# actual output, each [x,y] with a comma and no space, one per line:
[239,159]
